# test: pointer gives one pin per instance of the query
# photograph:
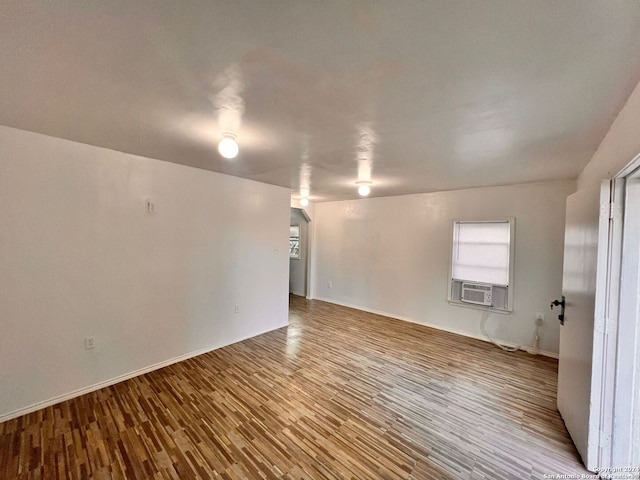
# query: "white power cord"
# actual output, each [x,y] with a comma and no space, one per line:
[483,321]
[536,337]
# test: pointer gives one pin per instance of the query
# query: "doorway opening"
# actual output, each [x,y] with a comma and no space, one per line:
[599,360]
[299,253]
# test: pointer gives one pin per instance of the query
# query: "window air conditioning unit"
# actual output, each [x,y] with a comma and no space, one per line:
[476,293]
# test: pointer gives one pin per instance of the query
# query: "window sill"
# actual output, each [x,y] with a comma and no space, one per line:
[501,311]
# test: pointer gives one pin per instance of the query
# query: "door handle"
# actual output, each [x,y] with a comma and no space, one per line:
[560,303]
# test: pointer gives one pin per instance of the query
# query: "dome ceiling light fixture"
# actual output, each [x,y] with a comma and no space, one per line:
[364,188]
[228,146]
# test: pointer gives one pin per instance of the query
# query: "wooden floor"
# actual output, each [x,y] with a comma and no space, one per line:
[338,394]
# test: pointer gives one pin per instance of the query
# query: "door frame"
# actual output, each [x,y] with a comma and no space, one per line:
[617,447]
[306,245]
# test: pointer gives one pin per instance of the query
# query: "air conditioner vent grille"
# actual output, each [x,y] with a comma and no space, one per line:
[477,293]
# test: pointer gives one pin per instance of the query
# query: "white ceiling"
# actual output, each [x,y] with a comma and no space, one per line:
[430,95]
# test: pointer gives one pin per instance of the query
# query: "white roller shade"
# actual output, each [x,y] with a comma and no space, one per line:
[481,252]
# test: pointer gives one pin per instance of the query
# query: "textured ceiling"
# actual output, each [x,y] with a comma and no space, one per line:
[419,95]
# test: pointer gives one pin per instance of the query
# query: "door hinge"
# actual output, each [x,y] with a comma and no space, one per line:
[604,453]
[615,211]
[612,210]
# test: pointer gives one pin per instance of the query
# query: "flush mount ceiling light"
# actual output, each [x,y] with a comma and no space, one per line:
[304,202]
[364,188]
[228,147]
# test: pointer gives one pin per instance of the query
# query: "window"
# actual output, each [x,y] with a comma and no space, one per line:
[481,264]
[294,241]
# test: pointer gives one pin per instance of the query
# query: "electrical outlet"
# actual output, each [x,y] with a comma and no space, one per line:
[89,343]
[330,284]
[237,308]
[276,250]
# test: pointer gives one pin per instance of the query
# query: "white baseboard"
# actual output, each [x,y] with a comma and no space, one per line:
[437,327]
[120,378]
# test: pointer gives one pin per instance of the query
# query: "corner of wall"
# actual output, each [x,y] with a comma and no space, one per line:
[619,146]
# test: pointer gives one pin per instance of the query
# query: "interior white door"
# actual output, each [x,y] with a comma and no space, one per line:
[579,395]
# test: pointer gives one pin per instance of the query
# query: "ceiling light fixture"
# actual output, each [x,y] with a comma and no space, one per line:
[228,147]
[304,202]
[364,188]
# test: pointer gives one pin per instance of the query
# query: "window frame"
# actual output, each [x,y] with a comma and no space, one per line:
[293,256]
[510,287]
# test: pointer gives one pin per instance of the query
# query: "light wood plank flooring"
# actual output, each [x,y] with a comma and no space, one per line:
[338,394]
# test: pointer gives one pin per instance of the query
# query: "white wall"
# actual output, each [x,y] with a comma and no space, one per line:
[619,146]
[391,255]
[79,256]
[298,266]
